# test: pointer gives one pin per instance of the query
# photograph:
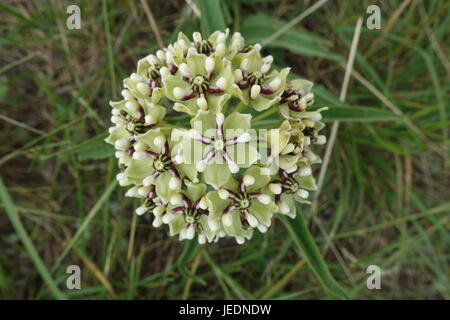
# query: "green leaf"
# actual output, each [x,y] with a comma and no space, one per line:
[358,114]
[299,232]
[190,249]
[29,247]
[212,18]
[259,27]
[233,284]
[94,148]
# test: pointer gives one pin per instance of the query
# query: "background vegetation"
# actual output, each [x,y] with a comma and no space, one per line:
[385,199]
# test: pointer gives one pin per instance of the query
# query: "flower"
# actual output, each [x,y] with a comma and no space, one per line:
[187,145]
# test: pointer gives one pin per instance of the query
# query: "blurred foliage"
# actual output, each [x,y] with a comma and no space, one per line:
[385,197]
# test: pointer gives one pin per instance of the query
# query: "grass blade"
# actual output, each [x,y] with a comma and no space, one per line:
[299,232]
[212,18]
[359,114]
[190,249]
[23,235]
[96,208]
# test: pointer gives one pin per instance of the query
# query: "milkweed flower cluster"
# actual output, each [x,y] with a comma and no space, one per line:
[189,147]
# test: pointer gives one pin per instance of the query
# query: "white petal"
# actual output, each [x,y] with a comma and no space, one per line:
[305,171]
[223,194]
[174,183]
[132,192]
[283,207]
[159,141]
[264,198]
[190,232]
[316,117]
[157,211]
[152,59]
[240,240]
[220,50]
[233,167]
[262,228]
[164,71]
[221,83]
[157,221]
[302,193]
[161,55]
[254,91]
[176,199]
[132,106]
[265,68]
[321,139]
[238,75]
[268,59]
[122,144]
[139,155]
[244,64]
[243,138]
[248,180]
[220,118]
[141,210]
[252,221]
[275,84]
[126,94]
[210,64]
[201,166]
[201,238]
[213,224]
[143,191]
[136,78]
[227,220]
[184,69]
[197,36]
[202,103]
[178,93]
[275,188]
[168,217]
[140,146]
[148,181]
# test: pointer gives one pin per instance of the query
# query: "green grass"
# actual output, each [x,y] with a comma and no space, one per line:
[385,194]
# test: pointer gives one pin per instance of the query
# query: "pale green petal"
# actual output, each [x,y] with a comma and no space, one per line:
[215,204]
[216,102]
[254,59]
[277,139]
[177,224]
[287,162]
[306,182]
[171,82]
[288,199]
[196,63]
[140,168]
[118,104]
[117,134]
[244,154]
[195,190]
[237,121]
[260,179]
[304,86]
[149,139]
[235,229]
[205,122]
[188,170]
[262,103]
[206,229]
[186,108]
[241,94]
[216,175]
[263,212]
[162,187]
